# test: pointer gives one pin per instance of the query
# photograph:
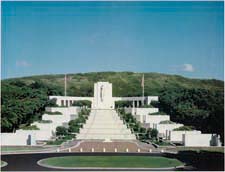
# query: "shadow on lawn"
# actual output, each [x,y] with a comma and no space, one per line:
[201,161]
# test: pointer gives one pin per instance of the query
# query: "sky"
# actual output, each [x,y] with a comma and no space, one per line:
[184,38]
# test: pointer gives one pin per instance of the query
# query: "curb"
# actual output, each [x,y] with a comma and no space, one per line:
[5,164]
[107,168]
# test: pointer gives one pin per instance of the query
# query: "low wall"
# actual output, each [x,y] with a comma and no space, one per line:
[18,139]
[128,110]
[150,120]
[156,119]
[141,111]
[68,99]
[39,134]
[145,111]
[177,136]
[164,129]
[197,140]
[57,118]
[64,110]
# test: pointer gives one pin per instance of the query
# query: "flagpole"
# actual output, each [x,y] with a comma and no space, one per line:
[65,86]
[143,89]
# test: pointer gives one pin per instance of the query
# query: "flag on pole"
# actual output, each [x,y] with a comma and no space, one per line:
[143,89]
[65,85]
[143,81]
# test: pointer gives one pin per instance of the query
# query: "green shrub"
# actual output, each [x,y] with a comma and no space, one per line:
[31,127]
[82,103]
[123,103]
[53,113]
[184,128]
[167,122]
[61,131]
[155,104]
[52,103]
[158,113]
[154,133]
[45,121]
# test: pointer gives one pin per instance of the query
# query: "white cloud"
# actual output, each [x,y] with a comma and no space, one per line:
[22,63]
[184,67]
[188,68]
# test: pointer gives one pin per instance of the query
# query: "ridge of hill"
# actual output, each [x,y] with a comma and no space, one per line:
[124,83]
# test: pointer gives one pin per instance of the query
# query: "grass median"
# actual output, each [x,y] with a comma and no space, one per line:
[112,161]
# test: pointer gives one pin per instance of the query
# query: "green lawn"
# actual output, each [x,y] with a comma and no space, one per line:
[209,149]
[112,161]
[162,143]
[3,163]
[19,148]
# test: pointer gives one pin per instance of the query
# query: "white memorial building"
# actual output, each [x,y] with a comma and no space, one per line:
[103,98]
[104,122]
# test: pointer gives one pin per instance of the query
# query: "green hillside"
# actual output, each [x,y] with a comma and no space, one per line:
[124,83]
[195,102]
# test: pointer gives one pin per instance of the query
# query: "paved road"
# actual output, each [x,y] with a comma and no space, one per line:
[28,162]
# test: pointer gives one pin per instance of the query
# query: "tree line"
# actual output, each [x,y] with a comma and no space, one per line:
[23,103]
[201,108]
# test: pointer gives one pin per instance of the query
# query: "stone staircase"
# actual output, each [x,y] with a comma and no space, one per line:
[105,124]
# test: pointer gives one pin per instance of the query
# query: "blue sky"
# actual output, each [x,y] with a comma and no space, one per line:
[185,38]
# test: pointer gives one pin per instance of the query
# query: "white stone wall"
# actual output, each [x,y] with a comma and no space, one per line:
[177,136]
[151,119]
[64,110]
[197,140]
[152,98]
[148,99]
[129,110]
[145,111]
[18,139]
[156,119]
[164,129]
[68,100]
[46,130]
[40,135]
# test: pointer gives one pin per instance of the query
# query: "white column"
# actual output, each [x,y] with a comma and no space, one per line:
[133,106]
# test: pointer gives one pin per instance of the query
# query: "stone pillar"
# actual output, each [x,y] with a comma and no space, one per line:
[139,150]
[92,149]
[133,105]
[137,103]
[115,149]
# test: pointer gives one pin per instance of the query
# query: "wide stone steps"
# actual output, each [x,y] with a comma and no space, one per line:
[102,136]
[114,126]
[109,131]
[105,124]
[113,123]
